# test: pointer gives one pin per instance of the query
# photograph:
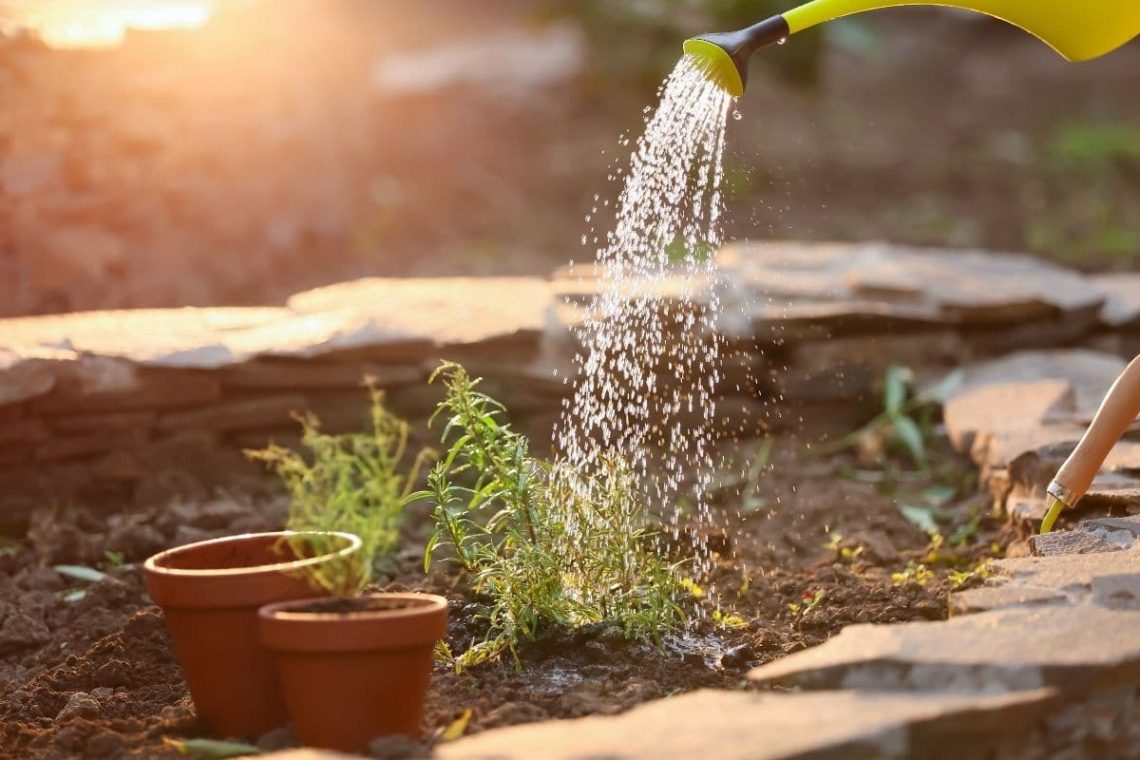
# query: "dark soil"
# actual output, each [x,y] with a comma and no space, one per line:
[95,676]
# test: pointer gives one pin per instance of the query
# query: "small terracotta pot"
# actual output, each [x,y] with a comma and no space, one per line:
[354,669]
[210,592]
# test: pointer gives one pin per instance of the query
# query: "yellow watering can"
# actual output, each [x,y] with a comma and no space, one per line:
[1077,29]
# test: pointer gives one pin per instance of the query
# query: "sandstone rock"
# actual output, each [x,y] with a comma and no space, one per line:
[349,411]
[996,423]
[267,411]
[1020,416]
[272,374]
[1118,592]
[1072,574]
[1089,373]
[940,284]
[761,726]
[86,445]
[1122,298]
[22,433]
[23,377]
[1005,595]
[91,423]
[443,310]
[1124,531]
[920,349]
[1076,649]
[1047,331]
[346,334]
[100,385]
[185,338]
[1068,542]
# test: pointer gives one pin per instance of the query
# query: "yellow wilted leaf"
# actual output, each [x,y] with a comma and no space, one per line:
[210,748]
[691,586]
[728,620]
[457,727]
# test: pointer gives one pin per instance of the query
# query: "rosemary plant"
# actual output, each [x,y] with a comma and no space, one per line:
[350,483]
[547,545]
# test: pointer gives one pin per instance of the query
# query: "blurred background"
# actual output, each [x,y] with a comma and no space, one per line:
[198,152]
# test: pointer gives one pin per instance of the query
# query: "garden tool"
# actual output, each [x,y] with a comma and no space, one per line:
[1117,412]
[1077,29]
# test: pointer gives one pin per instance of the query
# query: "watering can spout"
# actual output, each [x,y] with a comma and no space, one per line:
[1078,31]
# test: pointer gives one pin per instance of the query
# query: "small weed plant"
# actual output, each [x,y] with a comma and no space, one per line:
[546,546]
[906,421]
[351,483]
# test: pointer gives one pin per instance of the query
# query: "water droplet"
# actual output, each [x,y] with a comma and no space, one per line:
[667,211]
[781,41]
[737,115]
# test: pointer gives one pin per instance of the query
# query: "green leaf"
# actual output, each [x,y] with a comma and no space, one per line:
[456,450]
[433,541]
[79,572]
[894,390]
[939,495]
[415,496]
[966,530]
[944,389]
[908,432]
[921,517]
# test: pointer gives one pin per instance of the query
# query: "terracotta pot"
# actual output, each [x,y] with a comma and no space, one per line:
[210,592]
[354,669]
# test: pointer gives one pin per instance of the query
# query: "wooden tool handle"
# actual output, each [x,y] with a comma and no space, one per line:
[1118,410]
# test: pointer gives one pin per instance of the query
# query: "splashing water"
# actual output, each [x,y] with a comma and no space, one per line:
[649,362]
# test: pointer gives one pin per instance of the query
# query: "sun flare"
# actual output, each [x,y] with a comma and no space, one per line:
[100,23]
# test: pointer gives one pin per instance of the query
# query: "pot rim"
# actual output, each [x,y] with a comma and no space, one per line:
[152,564]
[282,611]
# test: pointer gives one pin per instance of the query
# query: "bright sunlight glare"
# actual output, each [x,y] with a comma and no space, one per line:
[99,23]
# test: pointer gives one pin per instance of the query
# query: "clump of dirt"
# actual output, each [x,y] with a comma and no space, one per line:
[118,696]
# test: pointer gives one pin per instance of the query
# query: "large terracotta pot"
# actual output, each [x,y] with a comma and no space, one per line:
[354,669]
[210,592]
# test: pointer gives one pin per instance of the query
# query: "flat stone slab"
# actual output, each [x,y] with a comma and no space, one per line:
[1069,542]
[934,284]
[1116,529]
[996,423]
[399,318]
[1077,649]
[24,376]
[1089,373]
[1019,417]
[188,337]
[1121,291]
[996,597]
[1069,573]
[1063,578]
[442,310]
[742,725]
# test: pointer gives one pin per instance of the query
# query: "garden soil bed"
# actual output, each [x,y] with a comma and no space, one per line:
[806,546]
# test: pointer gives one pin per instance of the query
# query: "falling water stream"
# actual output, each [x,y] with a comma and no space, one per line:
[649,362]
